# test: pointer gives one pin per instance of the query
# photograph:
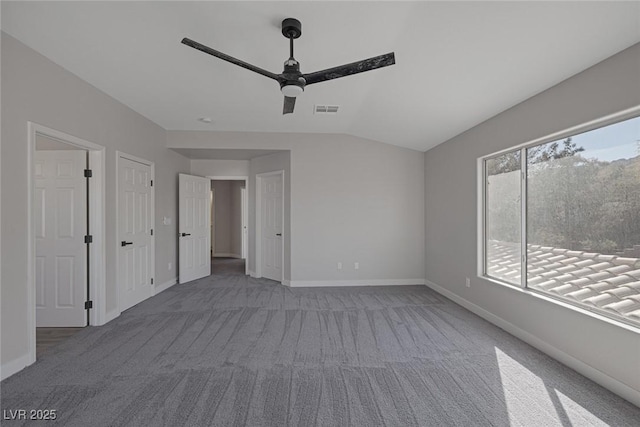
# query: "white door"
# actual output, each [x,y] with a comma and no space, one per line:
[135,235]
[271,197]
[194,231]
[244,221]
[212,225]
[60,212]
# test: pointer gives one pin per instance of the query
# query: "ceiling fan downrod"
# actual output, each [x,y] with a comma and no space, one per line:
[291,29]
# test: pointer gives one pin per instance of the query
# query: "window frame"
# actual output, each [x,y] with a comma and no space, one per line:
[482,198]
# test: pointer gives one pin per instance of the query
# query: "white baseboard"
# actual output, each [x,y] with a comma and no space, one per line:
[164,286]
[15,366]
[109,316]
[226,255]
[358,282]
[577,365]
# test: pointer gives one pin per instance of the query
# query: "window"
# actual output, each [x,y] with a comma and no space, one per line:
[503,217]
[580,231]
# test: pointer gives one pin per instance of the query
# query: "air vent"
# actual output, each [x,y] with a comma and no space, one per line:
[326,109]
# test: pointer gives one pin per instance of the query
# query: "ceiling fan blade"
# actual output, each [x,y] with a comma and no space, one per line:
[225,57]
[349,69]
[289,103]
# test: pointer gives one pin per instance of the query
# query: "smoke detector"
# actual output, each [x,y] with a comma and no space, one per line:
[326,109]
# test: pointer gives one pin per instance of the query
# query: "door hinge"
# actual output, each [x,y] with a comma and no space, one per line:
[88,173]
[88,305]
[88,239]
[152,183]
[152,281]
[152,231]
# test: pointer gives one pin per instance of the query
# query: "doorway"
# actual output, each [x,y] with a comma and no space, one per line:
[65,286]
[229,218]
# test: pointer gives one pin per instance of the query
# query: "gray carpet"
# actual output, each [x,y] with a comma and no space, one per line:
[231,350]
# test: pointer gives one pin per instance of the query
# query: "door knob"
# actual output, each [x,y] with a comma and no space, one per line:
[126,243]
[186,234]
[278,234]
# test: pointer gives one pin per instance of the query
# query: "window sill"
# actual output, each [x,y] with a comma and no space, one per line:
[612,319]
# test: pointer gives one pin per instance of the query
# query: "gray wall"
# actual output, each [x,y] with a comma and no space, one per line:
[351,200]
[35,89]
[222,207]
[204,167]
[451,216]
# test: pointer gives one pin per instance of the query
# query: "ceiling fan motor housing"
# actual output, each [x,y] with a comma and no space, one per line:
[291,76]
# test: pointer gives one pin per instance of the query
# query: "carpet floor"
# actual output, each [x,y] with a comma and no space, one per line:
[229,350]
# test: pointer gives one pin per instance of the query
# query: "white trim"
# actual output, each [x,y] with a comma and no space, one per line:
[134,158]
[15,366]
[252,273]
[111,315]
[579,366]
[226,255]
[481,201]
[358,282]
[152,258]
[258,207]
[164,286]
[523,218]
[227,178]
[97,205]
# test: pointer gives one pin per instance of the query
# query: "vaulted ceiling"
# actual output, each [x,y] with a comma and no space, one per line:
[457,63]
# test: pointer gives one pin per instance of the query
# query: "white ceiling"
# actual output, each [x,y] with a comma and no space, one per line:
[457,63]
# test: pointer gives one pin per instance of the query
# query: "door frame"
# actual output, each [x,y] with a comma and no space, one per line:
[246,186]
[97,216]
[121,155]
[258,242]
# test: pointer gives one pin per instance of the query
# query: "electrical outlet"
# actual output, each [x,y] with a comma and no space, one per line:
[356,265]
[169,266]
[339,266]
[467,282]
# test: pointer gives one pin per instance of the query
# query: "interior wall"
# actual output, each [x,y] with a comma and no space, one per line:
[204,167]
[351,200]
[35,89]
[222,224]
[451,224]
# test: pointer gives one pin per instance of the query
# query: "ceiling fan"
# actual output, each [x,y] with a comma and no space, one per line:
[292,81]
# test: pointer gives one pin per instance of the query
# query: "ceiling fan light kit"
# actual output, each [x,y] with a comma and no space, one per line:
[292,81]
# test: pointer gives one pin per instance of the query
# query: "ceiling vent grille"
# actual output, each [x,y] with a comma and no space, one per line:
[326,109]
